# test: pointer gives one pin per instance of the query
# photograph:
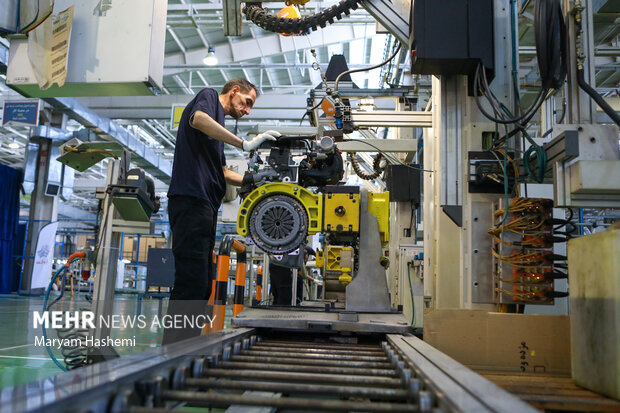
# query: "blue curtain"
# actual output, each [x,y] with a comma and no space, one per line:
[10,182]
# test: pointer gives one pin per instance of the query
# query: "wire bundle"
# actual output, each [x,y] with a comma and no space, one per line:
[524,263]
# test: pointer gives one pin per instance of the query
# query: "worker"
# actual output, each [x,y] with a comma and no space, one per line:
[282,280]
[197,186]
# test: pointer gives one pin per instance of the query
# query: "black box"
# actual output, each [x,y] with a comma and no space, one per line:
[404,183]
[160,268]
[450,37]
[486,174]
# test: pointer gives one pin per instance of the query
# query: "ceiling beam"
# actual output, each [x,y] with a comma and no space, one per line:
[268,106]
[171,70]
[166,101]
[67,211]
[269,45]
[104,127]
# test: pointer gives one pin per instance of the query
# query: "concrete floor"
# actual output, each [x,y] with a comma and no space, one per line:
[21,361]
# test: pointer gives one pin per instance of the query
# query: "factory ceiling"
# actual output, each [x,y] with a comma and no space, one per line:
[281,67]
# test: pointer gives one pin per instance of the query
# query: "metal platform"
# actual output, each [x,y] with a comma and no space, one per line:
[318,320]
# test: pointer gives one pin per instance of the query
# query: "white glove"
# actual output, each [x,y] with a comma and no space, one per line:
[252,144]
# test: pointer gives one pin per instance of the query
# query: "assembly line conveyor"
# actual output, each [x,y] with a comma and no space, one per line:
[242,369]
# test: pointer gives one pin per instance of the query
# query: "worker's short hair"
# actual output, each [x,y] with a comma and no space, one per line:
[245,85]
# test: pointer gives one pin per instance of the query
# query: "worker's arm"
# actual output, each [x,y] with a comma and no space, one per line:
[232,177]
[304,272]
[207,125]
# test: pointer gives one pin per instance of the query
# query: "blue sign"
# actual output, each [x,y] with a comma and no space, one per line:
[23,112]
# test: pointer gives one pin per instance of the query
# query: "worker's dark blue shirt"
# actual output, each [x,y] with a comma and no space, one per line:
[198,158]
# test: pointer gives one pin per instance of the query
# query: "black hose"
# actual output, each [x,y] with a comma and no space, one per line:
[581,80]
[550,34]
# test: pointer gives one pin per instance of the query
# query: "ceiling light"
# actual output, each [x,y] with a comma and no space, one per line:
[13,144]
[210,59]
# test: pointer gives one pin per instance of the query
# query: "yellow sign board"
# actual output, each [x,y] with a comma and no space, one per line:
[175,117]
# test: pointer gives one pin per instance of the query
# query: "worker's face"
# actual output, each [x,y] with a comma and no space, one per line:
[240,103]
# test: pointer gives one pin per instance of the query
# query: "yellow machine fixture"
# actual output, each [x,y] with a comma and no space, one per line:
[342,212]
[278,216]
[338,259]
[379,206]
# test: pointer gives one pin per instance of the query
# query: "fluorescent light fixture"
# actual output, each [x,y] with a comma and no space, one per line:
[210,59]
[13,144]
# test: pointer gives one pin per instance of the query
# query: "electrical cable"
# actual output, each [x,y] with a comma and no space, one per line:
[505,167]
[45,308]
[550,34]
[498,107]
[563,109]
[534,265]
[311,110]
[531,110]
[541,157]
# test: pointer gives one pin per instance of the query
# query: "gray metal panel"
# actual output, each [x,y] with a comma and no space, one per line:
[233,25]
[52,133]
[392,19]
[68,178]
[563,148]
[371,145]
[30,167]
[320,321]
[399,118]
[482,284]
[368,292]
[54,173]
[451,137]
